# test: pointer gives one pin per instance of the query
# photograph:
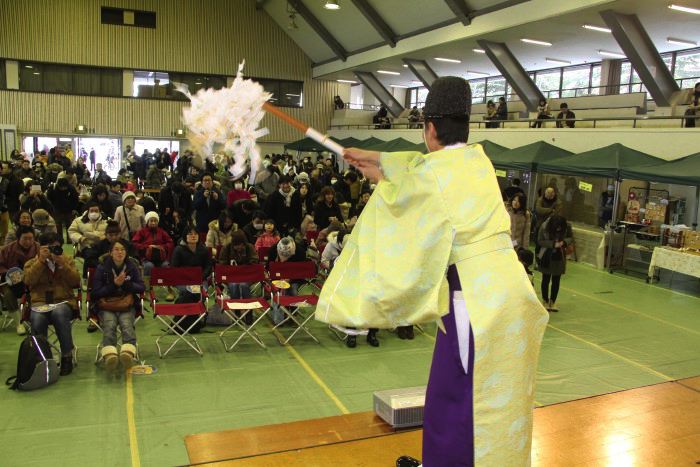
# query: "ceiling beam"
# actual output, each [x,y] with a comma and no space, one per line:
[496,7]
[459,8]
[319,28]
[376,21]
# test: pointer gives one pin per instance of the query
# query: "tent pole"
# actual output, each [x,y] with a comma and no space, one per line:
[532,191]
[697,207]
[613,222]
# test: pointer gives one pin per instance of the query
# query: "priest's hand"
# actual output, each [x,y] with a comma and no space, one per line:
[366,161]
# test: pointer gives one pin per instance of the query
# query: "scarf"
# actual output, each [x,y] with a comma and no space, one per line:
[287,196]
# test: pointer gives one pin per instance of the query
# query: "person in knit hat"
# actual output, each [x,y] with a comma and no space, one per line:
[130,216]
[153,244]
[286,250]
[43,222]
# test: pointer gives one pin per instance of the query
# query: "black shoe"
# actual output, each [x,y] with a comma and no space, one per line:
[401,331]
[351,342]
[409,333]
[372,339]
[407,461]
[66,365]
[92,327]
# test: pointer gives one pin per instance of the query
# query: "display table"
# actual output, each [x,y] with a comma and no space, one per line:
[590,245]
[675,261]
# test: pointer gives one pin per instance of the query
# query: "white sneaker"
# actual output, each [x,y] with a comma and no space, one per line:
[21,330]
[553,306]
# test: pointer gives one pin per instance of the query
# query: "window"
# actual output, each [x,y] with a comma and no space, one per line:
[478,90]
[121,17]
[495,87]
[687,66]
[3,76]
[69,79]
[159,84]
[576,81]
[625,75]
[417,96]
[284,93]
[595,80]
[549,82]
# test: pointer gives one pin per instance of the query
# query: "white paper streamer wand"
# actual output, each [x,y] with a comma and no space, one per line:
[307,130]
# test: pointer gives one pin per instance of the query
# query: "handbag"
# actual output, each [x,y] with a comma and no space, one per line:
[116,304]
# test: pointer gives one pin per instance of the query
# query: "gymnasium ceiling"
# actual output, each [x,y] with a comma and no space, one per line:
[425,29]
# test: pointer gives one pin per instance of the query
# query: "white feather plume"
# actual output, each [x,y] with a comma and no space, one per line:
[229,116]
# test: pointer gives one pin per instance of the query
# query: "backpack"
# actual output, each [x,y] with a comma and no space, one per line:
[36,367]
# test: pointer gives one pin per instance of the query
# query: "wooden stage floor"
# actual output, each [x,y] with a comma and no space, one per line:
[655,425]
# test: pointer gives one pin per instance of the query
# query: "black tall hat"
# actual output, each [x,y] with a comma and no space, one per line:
[449,97]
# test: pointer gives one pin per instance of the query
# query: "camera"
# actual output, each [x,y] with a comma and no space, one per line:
[56,249]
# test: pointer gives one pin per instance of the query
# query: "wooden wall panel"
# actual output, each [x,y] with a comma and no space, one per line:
[197,36]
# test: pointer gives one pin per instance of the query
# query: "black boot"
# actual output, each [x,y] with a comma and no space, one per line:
[92,327]
[66,365]
[409,333]
[351,341]
[372,338]
[401,331]
[407,461]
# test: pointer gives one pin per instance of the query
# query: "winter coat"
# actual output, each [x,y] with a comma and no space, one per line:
[12,234]
[266,240]
[545,208]
[552,260]
[286,218]
[298,256]
[332,250]
[235,195]
[216,238]
[154,178]
[146,237]
[86,233]
[11,193]
[229,255]
[65,201]
[60,283]
[33,202]
[130,220]
[184,257]
[170,200]
[251,233]
[207,210]
[323,213]
[519,227]
[13,255]
[103,284]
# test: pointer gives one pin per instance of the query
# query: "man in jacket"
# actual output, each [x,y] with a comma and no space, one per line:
[51,278]
[208,204]
[16,254]
[284,206]
[64,198]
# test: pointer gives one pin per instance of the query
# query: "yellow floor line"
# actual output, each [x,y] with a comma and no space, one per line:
[630,310]
[616,355]
[133,440]
[344,410]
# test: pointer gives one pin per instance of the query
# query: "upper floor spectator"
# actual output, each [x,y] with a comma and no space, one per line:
[565,116]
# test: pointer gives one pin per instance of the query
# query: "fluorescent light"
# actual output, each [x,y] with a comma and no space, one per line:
[36,73]
[28,66]
[384,72]
[293,95]
[197,82]
[479,51]
[606,53]
[557,61]
[405,66]
[536,42]
[331,5]
[478,73]
[397,86]
[684,9]
[419,83]
[596,28]
[347,81]
[673,40]
[449,60]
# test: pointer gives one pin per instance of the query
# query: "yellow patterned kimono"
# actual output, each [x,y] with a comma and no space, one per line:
[436,217]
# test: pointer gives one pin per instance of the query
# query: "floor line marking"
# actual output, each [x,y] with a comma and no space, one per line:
[317,379]
[630,310]
[133,439]
[616,355]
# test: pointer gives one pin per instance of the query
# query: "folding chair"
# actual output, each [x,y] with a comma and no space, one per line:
[94,318]
[264,254]
[305,271]
[250,274]
[173,314]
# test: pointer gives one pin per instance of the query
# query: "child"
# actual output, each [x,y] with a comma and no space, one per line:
[526,258]
[269,237]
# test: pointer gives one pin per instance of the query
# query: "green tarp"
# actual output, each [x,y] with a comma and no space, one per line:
[307,145]
[349,142]
[369,142]
[684,171]
[492,149]
[394,145]
[526,157]
[608,162]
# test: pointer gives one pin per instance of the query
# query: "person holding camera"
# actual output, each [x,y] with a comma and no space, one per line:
[51,278]
[208,203]
[14,255]
[553,237]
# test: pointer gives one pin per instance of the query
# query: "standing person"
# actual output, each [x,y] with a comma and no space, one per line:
[605,208]
[691,112]
[502,109]
[208,204]
[118,276]
[553,237]
[284,206]
[5,176]
[64,198]
[237,193]
[512,190]
[476,409]
[520,221]
[548,204]
[93,158]
[491,116]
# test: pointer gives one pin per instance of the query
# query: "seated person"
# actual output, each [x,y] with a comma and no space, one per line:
[16,254]
[116,276]
[220,231]
[86,232]
[51,278]
[286,250]
[254,228]
[191,253]
[565,117]
[153,244]
[174,223]
[43,222]
[113,233]
[238,252]
[23,218]
[269,237]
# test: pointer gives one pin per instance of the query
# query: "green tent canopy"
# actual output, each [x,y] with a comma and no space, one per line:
[684,171]
[491,149]
[369,142]
[349,142]
[394,145]
[307,145]
[526,157]
[608,162]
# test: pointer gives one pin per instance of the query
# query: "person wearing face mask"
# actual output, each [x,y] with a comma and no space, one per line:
[284,206]
[130,216]
[64,198]
[16,254]
[51,278]
[691,112]
[327,209]
[237,193]
[86,232]
[254,228]
[153,244]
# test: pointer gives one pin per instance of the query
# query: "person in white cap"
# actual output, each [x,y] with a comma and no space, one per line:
[131,216]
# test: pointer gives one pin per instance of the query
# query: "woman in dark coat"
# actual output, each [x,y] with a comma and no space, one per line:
[327,209]
[553,237]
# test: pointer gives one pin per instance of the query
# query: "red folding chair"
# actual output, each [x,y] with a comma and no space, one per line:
[94,318]
[293,306]
[250,274]
[311,235]
[264,254]
[173,314]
